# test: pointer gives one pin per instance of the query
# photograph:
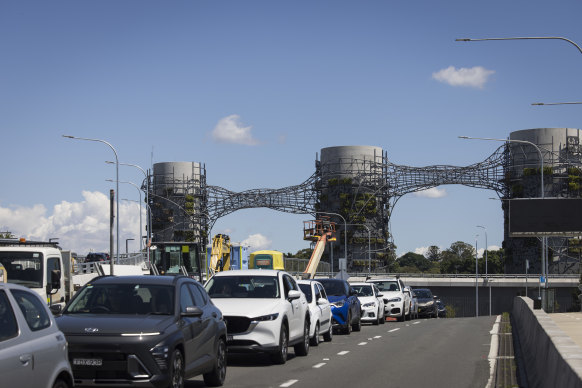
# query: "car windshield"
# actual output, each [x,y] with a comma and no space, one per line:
[426,294]
[306,288]
[334,288]
[364,290]
[140,299]
[243,286]
[24,268]
[390,285]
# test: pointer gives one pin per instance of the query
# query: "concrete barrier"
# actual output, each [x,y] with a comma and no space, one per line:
[551,357]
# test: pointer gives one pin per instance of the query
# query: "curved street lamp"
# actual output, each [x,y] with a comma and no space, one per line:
[116,189]
[522,38]
[345,235]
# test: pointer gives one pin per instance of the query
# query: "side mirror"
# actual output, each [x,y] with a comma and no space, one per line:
[322,301]
[380,295]
[406,289]
[353,292]
[294,294]
[434,297]
[56,309]
[192,311]
[56,279]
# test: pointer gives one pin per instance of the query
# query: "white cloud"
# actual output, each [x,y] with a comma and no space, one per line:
[481,251]
[433,192]
[80,226]
[474,77]
[230,130]
[421,250]
[257,242]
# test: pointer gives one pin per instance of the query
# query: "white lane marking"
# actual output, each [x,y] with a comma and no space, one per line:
[494,350]
[369,339]
[362,343]
[343,352]
[416,323]
[288,383]
[319,365]
[378,336]
[326,359]
[390,331]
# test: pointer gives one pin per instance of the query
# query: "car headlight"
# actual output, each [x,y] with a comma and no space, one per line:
[263,318]
[397,299]
[160,354]
[339,303]
[370,304]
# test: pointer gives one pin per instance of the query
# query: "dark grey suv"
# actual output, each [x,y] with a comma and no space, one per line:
[146,331]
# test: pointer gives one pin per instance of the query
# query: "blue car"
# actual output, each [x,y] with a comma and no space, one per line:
[345,305]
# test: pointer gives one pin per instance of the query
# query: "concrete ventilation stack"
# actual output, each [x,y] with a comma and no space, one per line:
[352,183]
[562,156]
[178,197]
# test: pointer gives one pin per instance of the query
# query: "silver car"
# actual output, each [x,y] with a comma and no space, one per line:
[33,351]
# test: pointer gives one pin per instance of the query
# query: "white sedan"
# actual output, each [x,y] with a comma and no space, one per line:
[372,302]
[265,311]
[319,309]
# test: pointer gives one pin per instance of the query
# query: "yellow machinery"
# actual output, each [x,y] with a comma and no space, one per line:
[3,276]
[220,255]
[266,260]
[319,231]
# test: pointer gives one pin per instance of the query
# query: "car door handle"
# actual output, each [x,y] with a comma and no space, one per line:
[25,359]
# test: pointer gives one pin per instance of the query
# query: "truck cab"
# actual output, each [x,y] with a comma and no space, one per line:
[41,266]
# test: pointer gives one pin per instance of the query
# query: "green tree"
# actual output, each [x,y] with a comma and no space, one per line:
[433,254]
[458,258]
[415,262]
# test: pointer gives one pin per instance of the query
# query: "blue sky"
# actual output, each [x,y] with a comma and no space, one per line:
[255,89]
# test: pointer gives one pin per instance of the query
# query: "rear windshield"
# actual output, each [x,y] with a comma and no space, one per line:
[387,285]
[243,286]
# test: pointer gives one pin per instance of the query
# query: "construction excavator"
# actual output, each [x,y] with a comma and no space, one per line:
[220,254]
[319,231]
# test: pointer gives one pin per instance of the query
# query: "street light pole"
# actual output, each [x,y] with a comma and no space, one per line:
[486,272]
[369,247]
[148,225]
[522,38]
[140,211]
[542,189]
[476,279]
[116,188]
[345,236]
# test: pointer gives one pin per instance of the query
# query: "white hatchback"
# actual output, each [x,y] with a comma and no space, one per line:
[33,349]
[319,310]
[265,311]
[396,301]
[372,302]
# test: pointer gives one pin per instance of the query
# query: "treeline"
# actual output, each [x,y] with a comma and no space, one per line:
[458,258]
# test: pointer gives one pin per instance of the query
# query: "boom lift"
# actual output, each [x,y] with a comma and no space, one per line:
[220,255]
[319,231]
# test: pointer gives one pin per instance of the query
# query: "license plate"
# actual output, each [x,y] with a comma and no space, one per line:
[229,338]
[88,361]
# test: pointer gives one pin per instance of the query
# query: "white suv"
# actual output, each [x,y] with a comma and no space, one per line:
[33,349]
[265,311]
[396,300]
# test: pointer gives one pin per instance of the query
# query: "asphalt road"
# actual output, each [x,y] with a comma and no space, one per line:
[420,353]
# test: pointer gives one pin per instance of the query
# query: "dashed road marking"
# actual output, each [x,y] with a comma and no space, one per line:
[390,331]
[343,352]
[362,343]
[319,365]
[416,323]
[378,336]
[326,359]
[288,383]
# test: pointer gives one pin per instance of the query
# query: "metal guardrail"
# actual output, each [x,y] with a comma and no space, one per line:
[446,276]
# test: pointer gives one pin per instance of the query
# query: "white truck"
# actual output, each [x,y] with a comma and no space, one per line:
[41,266]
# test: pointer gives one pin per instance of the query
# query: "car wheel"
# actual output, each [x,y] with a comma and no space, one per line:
[382,318]
[377,321]
[60,383]
[215,378]
[358,325]
[401,318]
[177,370]
[302,348]
[327,337]
[348,328]
[280,356]
[315,339]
